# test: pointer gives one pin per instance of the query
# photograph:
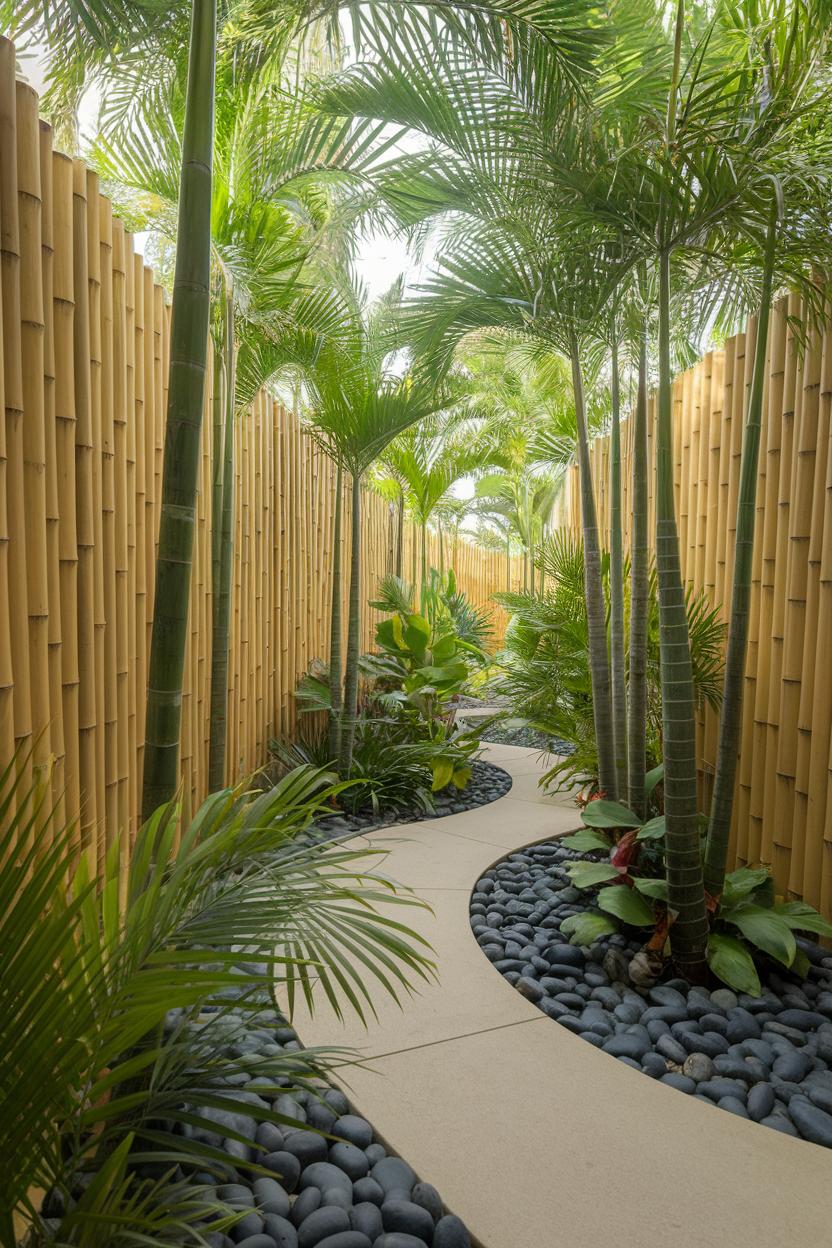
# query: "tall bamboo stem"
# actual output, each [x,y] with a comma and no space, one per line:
[599,660]
[639,597]
[222,548]
[350,708]
[619,678]
[335,629]
[686,892]
[186,389]
[730,718]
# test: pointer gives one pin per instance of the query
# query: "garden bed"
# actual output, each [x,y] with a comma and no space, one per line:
[487,784]
[766,1058]
[341,1189]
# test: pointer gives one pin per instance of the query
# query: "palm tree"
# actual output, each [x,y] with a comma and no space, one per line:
[358,402]
[426,462]
[528,174]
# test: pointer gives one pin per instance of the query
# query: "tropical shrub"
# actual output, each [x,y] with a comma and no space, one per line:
[629,887]
[124,999]
[544,667]
[407,743]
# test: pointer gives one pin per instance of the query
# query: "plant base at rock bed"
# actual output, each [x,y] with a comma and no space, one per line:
[767,1058]
[487,784]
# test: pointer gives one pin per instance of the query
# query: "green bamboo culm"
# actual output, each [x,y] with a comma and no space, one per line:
[335,659]
[596,614]
[617,666]
[686,892]
[730,717]
[350,708]
[190,309]
[222,538]
[639,599]
[683,860]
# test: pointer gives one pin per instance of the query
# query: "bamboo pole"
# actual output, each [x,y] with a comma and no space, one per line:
[63,298]
[52,517]
[85,529]
[13,403]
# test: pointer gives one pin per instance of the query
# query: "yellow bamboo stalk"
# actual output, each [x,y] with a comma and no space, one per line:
[63,299]
[122,506]
[85,527]
[52,514]
[10,261]
[106,444]
[7,700]
[33,432]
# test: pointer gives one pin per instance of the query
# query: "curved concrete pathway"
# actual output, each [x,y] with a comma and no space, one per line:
[535,1138]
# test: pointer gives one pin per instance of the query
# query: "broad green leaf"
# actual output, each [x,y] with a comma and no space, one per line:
[583,929]
[398,632]
[586,874]
[586,840]
[604,814]
[627,905]
[652,888]
[461,777]
[417,633]
[451,673]
[742,882]
[652,778]
[731,962]
[386,633]
[802,917]
[444,649]
[763,928]
[443,771]
[801,964]
[653,829]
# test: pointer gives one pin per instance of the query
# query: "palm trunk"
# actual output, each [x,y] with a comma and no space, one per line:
[639,600]
[353,639]
[222,562]
[619,678]
[186,391]
[335,660]
[400,537]
[686,893]
[424,560]
[599,660]
[730,718]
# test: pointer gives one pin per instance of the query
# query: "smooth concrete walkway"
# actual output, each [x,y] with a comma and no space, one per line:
[535,1138]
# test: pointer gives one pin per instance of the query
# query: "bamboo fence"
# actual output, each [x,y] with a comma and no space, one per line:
[83,372]
[783,811]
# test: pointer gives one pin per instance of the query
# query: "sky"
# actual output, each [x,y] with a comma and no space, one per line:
[380,260]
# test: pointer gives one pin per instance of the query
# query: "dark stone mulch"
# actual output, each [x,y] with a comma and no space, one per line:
[766,1058]
[487,784]
[525,735]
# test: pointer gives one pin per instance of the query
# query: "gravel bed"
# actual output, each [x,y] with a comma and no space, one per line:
[336,1190]
[487,784]
[767,1058]
[532,738]
[467,703]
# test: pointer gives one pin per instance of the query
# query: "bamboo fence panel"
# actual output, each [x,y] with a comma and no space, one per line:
[83,375]
[784,786]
